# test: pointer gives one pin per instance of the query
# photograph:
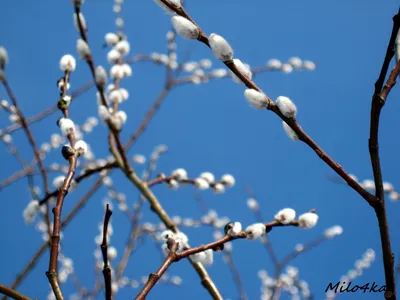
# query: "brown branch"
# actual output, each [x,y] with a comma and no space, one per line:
[104,248]
[55,239]
[154,277]
[266,240]
[147,118]
[64,223]
[135,228]
[74,95]
[303,136]
[87,173]
[174,256]
[288,258]
[28,133]
[236,275]
[12,293]
[378,101]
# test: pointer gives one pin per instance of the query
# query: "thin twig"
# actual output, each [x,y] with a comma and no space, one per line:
[42,249]
[154,277]
[378,101]
[12,293]
[28,133]
[104,248]
[303,136]
[147,118]
[236,275]
[288,258]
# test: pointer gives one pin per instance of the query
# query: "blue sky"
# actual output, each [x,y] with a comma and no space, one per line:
[210,127]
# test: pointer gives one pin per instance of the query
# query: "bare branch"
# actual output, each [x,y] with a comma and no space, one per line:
[378,100]
[12,293]
[104,248]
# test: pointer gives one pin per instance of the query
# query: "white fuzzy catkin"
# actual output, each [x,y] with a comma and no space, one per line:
[368,184]
[67,63]
[198,257]
[256,99]
[287,68]
[295,62]
[111,39]
[333,231]
[235,229]
[81,146]
[127,70]
[67,99]
[176,3]
[220,47]
[67,126]
[3,57]
[113,56]
[219,188]
[116,96]
[397,47]
[286,106]
[286,216]
[201,183]
[308,220]
[185,28]
[207,176]
[30,211]
[289,131]
[244,69]
[274,64]
[123,47]
[180,174]
[252,204]
[117,72]
[309,65]
[58,181]
[122,116]
[83,49]
[83,22]
[255,231]
[101,76]
[104,113]
[387,187]
[228,180]
[173,184]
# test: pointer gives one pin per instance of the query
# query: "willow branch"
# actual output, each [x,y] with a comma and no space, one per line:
[104,248]
[28,133]
[87,173]
[303,136]
[147,118]
[236,275]
[288,258]
[55,239]
[378,101]
[154,277]
[42,249]
[12,293]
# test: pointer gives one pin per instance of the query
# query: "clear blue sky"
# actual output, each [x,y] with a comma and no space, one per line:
[210,127]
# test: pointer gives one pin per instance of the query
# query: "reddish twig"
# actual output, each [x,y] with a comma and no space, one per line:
[303,136]
[55,239]
[147,118]
[154,277]
[28,133]
[174,256]
[104,248]
[236,275]
[87,173]
[12,293]
[42,249]
[378,101]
